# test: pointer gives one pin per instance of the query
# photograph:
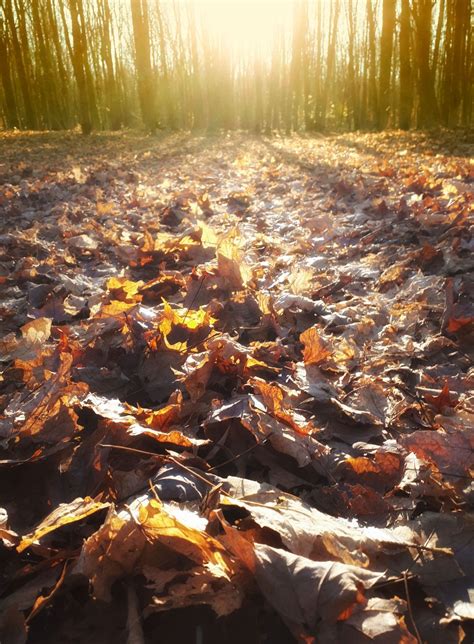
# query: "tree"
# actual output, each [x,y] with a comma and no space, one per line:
[386,49]
[11,109]
[20,55]
[406,80]
[427,103]
[336,63]
[141,37]
[372,65]
[80,62]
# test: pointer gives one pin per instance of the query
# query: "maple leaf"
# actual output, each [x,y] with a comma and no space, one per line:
[37,331]
[303,591]
[315,350]
[442,400]
[179,312]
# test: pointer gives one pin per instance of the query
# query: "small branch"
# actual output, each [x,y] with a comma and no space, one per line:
[410,611]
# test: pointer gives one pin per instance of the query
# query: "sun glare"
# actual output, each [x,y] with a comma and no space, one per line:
[243,27]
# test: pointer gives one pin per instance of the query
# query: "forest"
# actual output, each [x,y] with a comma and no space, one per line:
[236,322]
[327,64]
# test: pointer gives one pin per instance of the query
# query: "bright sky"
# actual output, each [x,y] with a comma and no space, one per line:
[243,25]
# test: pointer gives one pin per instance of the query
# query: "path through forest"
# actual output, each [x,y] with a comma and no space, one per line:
[237,373]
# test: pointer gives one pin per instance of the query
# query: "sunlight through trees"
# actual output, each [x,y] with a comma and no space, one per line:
[268,64]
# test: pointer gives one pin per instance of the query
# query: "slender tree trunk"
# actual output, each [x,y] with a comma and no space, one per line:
[78,55]
[141,37]
[198,121]
[48,76]
[64,88]
[427,104]
[330,60]
[461,25]
[468,70]
[386,50]
[11,110]
[439,29]
[30,120]
[165,90]
[258,99]
[92,98]
[112,97]
[372,90]
[318,67]
[406,80]
[352,80]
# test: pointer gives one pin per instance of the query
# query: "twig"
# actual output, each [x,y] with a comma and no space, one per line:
[134,623]
[246,451]
[195,296]
[190,471]
[410,611]
[131,449]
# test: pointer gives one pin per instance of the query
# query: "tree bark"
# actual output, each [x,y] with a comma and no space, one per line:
[406,79]
[141,37]
[386,50]
[30,120]
[11,110]
[427,104]
[372,65]
[78,62]
[330,61]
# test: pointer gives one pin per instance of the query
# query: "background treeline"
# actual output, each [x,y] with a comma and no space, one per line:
[106,64]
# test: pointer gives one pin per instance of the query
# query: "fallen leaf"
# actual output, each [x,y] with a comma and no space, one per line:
[64,514]
[315,350]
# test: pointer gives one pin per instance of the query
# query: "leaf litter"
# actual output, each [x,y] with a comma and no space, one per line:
[237,391]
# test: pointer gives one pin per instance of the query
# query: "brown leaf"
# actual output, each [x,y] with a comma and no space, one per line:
[49,409]
[111,553]
[37,331]
[231,264]
[64,514]
[302,591]
[160,526]
[124,289]
[200,585]
[442,400]
[450,451]
[306,531]
[315,350]
[382,618]
[129,422]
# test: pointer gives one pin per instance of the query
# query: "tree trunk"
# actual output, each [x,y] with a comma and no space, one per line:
[330,60]
[352,79]
[439,29]
[427,105]
[372,89]
[386,50]
[112,98]
[141,37]
[468,71]
[64,87]
[78,59]
[11,113]
[459,14]
[30,120]
[406,80]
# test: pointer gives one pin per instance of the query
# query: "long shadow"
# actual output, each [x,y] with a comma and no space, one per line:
[329,178]
[22,153]
[448,143]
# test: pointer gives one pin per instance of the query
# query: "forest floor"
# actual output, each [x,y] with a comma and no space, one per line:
[237,390]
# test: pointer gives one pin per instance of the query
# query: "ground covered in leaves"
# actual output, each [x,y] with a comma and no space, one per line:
[237,391]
